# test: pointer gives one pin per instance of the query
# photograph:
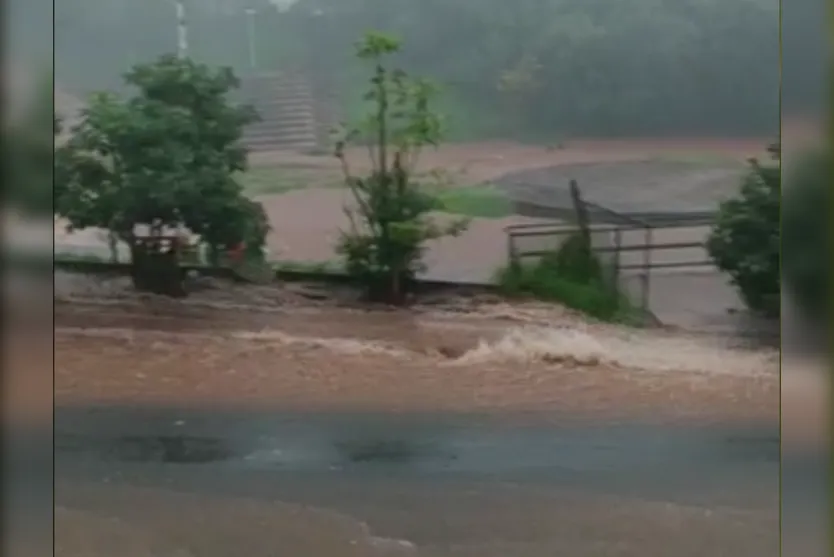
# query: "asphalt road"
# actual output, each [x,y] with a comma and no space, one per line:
[441,482]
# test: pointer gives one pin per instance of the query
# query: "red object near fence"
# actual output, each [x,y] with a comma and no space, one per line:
[236,253]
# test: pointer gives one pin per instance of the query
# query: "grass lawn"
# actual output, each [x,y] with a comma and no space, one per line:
[276,180]
[699,159]
[485,201]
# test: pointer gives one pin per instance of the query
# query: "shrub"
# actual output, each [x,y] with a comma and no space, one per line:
[744,241]
[572,276]
[805,240]
[575,261]
[164,158]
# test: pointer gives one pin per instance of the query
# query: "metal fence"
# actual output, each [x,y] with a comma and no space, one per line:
[630,245]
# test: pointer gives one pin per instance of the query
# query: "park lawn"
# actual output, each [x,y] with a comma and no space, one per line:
[276,180]
[485,201]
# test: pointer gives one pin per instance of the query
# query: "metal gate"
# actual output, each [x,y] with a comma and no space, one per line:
[631,246]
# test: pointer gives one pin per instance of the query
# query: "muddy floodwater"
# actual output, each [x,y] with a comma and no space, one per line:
[219,426]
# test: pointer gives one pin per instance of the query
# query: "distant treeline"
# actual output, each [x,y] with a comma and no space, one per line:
[525,67]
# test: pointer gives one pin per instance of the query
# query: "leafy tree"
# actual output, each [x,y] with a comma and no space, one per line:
[646,66]
[390,223]
[744,241]
[604,68]
[806,244]
[164,157]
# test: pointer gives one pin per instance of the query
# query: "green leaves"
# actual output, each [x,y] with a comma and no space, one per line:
[374,45]
[165,156]
[744,241]
[390,223]
[584,67]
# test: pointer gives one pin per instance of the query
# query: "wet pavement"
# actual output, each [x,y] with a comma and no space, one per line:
[439,481]
[704,466]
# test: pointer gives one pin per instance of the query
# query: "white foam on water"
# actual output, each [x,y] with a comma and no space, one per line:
[345,346]
[348,346]
[392,547]
[572,344]
[641,351]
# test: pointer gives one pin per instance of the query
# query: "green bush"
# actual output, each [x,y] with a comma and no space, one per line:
[744,241]
[805,240]
[575,261]
[572,276]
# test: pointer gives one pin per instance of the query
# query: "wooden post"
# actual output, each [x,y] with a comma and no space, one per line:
[618,244]
[647,267]
[581,211]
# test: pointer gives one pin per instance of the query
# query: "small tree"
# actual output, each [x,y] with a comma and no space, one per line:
[390,224]
[744,241]
[163,158]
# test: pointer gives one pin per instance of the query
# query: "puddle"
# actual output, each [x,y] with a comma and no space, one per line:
[762,448]
[427,449]
[163,449]
[393,451]
[171,450]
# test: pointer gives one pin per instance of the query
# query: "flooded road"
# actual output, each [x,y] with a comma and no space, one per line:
[447,432]
[441,483]
[695,465]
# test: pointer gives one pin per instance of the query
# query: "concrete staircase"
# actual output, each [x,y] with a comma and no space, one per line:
[291,117]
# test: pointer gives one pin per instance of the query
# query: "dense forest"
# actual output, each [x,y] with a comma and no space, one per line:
[527,67]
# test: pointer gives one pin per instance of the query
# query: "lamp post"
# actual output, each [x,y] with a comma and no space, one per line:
[252,38]
[182,30]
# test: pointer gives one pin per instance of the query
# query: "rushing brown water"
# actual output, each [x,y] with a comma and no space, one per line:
[268,349]
[473,356]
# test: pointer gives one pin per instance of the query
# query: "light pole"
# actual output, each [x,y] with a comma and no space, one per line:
[251,36]
[182,30]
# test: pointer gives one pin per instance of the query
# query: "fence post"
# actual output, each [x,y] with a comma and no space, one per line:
[618,244]
[511,251]
[581,213]
[647,265]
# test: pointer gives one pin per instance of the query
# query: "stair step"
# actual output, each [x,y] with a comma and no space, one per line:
[279,130]
[307,136]
[285,106]
[273,114]
[288,134]
[295,147]
[293,115]
[279,127]
[282,88]
[276,140]
[278,121]
[278,96]
[294,135]
[281,121]
[280,112]
[250,83]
